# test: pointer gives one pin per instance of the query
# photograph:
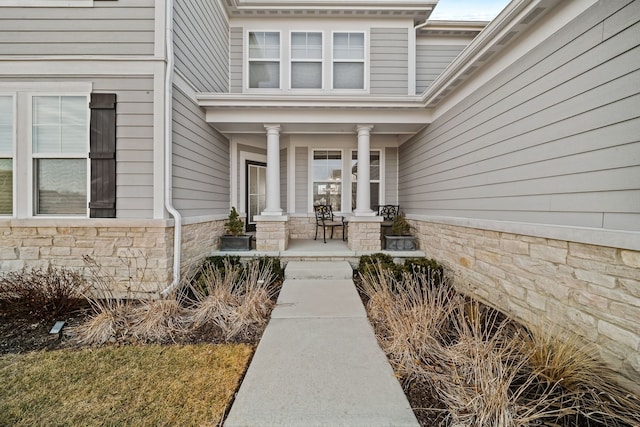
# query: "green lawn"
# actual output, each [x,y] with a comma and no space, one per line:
[114,386]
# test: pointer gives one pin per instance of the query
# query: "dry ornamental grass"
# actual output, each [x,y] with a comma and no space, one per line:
[483,368]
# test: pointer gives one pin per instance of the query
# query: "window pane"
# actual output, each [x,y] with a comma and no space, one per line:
[327,166]
[348,75]
[264,75]
[60,124]
[306,75]
[348,46]
[328,193]
[6,186]
[374,166]
[264,45]
[306,46]
[6,124]
[61,186]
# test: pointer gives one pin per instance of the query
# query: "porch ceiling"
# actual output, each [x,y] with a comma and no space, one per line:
[246,114]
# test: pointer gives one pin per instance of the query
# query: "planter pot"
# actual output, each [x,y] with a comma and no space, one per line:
[400,243]
[235,243]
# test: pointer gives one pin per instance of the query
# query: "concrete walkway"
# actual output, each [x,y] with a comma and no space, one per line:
[318,363]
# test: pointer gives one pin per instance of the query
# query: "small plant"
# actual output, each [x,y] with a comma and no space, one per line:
[372,264]
[234,226]
[45,294]
[400,226]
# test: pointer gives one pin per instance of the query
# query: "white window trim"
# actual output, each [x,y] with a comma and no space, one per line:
[247,61]
[12,154]
[46,3]
[321,61]
[252,157]
[32,156]
[381,181]
[366,61]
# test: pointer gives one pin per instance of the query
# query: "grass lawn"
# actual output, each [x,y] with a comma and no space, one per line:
[187,385]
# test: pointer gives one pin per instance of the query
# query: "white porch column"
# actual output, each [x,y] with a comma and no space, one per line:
[363,201]
[273,171]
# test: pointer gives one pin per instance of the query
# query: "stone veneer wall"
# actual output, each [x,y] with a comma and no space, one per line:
[138,249]
[272,234]
[364,234]
[588,289]
[199,239]
[302,227]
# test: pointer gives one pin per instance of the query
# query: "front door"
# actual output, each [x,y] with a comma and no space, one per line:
[256,191]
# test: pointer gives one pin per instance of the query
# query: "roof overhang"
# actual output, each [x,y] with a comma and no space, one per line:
[418,10]
[495,37]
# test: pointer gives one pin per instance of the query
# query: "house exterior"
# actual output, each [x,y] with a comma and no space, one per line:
[128,129]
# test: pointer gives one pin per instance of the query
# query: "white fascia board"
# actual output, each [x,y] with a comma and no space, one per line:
[335,4]
[313,115]
[306,102]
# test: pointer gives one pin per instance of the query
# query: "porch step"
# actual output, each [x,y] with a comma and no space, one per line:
[314,270]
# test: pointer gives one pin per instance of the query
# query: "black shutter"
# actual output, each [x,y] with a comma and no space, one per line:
[102,153]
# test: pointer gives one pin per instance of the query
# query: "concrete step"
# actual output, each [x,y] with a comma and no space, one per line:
[314,270]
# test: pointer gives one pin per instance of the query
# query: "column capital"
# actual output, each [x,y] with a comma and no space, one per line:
[364,129]
[272,129]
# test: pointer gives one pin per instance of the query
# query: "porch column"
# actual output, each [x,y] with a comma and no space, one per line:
[273,171]
[363,201]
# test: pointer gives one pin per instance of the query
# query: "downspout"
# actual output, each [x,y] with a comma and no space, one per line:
[168,130]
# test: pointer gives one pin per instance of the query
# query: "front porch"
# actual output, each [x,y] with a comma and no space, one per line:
[316,250]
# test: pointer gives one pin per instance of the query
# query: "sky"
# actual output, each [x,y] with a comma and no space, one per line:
[475,10]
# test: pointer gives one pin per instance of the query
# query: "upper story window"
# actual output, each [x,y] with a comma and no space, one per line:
[348,60]
[264,60]
[6,154]
[306,60]
[60,143]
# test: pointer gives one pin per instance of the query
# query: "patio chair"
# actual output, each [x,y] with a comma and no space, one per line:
[388,213]
[326,219]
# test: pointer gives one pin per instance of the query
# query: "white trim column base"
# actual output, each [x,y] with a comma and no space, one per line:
[272,232]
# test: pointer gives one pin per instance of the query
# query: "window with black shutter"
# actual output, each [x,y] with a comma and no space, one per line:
[102,153]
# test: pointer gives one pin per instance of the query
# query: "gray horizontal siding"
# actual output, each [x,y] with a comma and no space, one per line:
[283,180]
[302,166]
[235,60]
[123,27]
[389,55]
[554,139]
[431,60]
[200,162]
[202,44]
[391,175]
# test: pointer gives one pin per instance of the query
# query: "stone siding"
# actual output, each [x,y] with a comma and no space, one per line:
[588,289]
[136,253]
[199,240]
[272,234]
[302,227]
[364,234]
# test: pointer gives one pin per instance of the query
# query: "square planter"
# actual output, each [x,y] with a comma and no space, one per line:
[235,243]
[400,243]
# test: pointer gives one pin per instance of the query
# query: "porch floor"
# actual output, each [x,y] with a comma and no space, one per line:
[316,250]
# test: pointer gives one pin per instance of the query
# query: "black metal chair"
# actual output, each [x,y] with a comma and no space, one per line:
[326,219]
[388,213]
